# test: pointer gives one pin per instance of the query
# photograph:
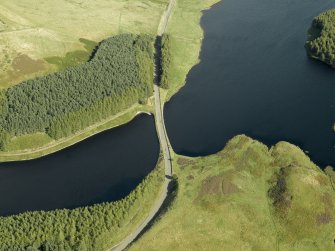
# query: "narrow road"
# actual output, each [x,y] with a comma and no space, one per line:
[163,139]
[161,131]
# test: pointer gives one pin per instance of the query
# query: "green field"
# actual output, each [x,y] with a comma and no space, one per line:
[247,197]
[33,33]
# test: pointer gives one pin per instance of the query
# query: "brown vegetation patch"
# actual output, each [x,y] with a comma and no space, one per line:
[322,179]
[279,194]
[190,177]
[218,185]
[183,162]
[211,185]
[26,65]
[323,218]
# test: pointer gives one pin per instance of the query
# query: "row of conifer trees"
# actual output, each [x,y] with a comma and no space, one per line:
[165,61]
[119,75]
[91,228]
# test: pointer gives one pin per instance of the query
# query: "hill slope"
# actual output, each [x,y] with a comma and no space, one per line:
[31,31]
[247,197]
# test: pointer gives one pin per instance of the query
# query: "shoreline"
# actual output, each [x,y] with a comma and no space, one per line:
[117,120]
[126,116]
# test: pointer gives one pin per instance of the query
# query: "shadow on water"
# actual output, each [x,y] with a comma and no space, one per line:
[105,167]
[255,78]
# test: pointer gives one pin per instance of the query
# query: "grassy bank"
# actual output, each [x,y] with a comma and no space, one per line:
[185,35]
[40,144]
[97,227]
[247,197]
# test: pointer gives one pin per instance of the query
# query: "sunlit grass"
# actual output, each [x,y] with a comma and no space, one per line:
[186,38]
[223,203]
[43,29]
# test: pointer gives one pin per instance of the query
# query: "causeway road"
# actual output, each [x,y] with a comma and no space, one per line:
[164,144]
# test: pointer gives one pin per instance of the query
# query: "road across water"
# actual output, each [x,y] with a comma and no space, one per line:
[164,143]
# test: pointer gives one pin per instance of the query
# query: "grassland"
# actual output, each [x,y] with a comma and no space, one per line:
[247,197]
[35,33]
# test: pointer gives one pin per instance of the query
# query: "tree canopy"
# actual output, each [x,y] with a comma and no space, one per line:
[92,228]
[165,61]
[321,42]
[119,75]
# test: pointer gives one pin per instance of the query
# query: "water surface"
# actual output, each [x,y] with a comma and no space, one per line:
[255,78]
[105,167]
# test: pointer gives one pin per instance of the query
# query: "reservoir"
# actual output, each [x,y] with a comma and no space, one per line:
[255,78]
[105,167]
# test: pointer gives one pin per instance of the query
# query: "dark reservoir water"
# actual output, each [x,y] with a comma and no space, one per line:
[255,78]
[105,167]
